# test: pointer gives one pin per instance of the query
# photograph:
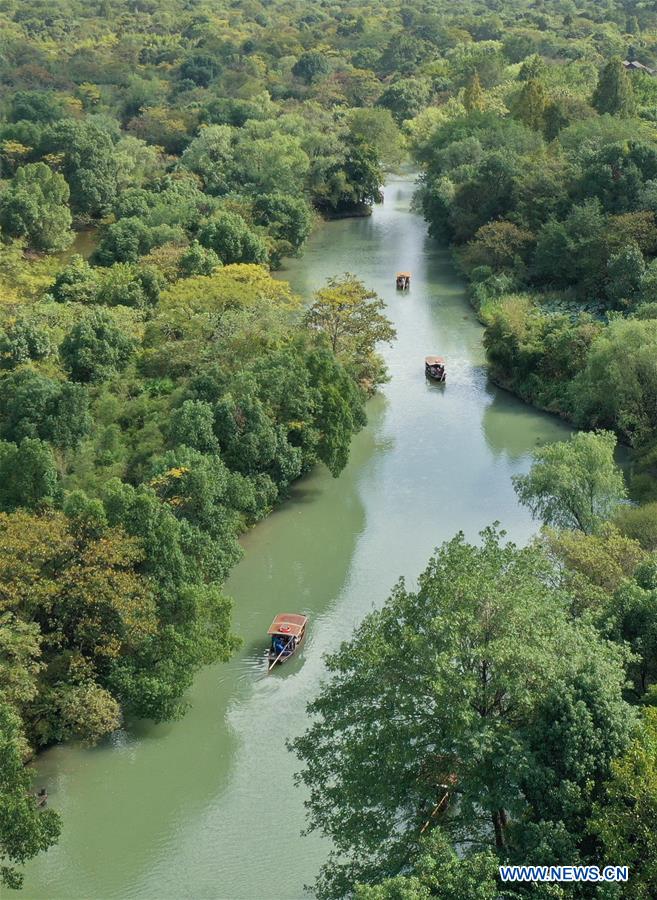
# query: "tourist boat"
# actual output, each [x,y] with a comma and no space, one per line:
[403,281]
[287,632]
[434,368]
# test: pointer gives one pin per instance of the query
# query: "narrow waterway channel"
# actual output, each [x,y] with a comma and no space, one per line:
[206,807]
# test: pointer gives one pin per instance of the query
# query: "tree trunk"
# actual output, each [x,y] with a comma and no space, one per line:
[499,824]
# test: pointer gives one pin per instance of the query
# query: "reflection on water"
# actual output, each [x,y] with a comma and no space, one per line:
[206,807]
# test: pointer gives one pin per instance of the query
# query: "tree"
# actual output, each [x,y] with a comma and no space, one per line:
[77,282]
[287,218]
[639,523]
[96,348]
[124,284]
[530,103]
[406,97]
[452,689]
[614,93]
[232,240]
[618,387]
[211,157]
[352,319]
[28,475]
[311,66]
[575,483]
[33,405]
[626,269]
[626,818]
[500,245]
[35,207]
[88,163]
[340,410]
[192,425]
[377,128]
[438,871]
[473,94]
[197,260]
[25,830]
[21,341]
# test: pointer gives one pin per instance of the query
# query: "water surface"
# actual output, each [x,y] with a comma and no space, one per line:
[206,807]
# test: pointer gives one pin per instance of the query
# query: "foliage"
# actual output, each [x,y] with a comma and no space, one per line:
[455,689]
[352,319]
[625,819]
[95,348]
[25,830]
[35,207]
[573,484]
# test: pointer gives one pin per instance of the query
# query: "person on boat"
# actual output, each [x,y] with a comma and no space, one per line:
[279,643]
[42,797]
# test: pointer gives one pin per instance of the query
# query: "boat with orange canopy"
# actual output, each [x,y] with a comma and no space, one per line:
[287,632]
[434,368]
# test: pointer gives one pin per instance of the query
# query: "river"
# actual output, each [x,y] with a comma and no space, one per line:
[206,807]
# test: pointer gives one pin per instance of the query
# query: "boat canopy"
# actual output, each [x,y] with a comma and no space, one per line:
[288,624]
[434,361]
[403,275]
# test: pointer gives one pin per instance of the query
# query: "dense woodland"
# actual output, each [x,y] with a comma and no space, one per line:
[160,391]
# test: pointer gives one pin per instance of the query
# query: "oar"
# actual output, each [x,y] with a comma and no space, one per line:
[271,665]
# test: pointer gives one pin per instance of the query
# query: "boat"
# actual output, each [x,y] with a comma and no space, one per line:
[434,368]
[287,632]
[403,281]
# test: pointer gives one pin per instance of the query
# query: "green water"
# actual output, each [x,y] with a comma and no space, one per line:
[206,807]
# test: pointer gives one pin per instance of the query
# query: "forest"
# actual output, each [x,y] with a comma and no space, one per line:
[161,388]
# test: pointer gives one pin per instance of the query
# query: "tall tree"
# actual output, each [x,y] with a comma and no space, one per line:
[626,818]
[614,93]
[352,319]
[35,207]
[575,483]
[451,690]
[473,95]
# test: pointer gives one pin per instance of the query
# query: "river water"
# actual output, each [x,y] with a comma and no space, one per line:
[206,807]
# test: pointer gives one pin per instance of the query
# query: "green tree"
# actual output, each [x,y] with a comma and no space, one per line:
[28,475]
[530,103]
[618,387]
[626,818]
[473,95]
[452,689]
[352,319]
[96,348]
[438,871]
[406,97]
[377,128]
[33,405]
[211,157]
[192,425]
[287,218]
[311,66]
[77,282]
[197,260]
[626,270]
[21,341]
[232,240]
[88,163]
[639,523]
[25,830]
[35,207]
[575,483]
[614,93]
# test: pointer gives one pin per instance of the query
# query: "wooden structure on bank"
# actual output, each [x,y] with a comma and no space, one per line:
[434,368]
[287,632]
[403,281]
